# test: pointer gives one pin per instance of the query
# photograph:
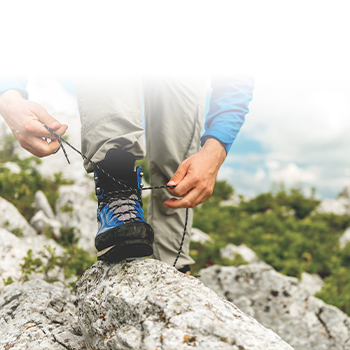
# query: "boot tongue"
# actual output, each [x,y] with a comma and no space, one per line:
[119,164]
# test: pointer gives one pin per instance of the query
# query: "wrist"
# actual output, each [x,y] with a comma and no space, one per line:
[216,147]
[9,97]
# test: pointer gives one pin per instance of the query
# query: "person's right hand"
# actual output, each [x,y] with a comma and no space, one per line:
[24,118]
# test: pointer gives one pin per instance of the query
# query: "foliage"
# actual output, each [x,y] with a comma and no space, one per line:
[20,188]
[73,263]
[8,281]
[336,289]
[284,230]
[75,260]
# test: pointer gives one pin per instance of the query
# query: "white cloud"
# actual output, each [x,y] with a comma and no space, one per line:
[292,175]
[303,127]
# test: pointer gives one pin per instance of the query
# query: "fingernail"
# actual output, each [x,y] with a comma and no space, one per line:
[172,183]
[55,125]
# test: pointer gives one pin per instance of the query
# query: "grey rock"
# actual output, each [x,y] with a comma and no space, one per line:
[42,223]
[313,283]
[245,252]
[39,316]
[12,219]
[344,238]
[146,304]
[234,201]
[41,203]
[338,206]
[282,304]
[13,167]
[75,208]
[13,249]
[199,236]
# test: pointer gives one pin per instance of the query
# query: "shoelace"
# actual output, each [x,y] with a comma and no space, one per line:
[123,207]
[127,189]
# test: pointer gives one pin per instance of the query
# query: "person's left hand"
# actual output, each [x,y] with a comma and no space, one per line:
[195,177]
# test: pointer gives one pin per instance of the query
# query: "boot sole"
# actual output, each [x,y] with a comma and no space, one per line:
[133,239]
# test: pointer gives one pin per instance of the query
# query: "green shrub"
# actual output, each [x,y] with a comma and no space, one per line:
[284,231]
[19,189]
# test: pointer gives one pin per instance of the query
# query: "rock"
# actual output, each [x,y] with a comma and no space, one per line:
[282,304]
[312,283]
[75,208]
[13,249]
[338,206]
[146,304]
[246,253]
[199,236]
[346,192]
[234,201]
[41,203]
[42,223]
[13,167]
[12,220]
[345,238]
[39,316]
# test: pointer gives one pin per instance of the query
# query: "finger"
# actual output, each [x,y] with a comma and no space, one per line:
[187,184]
[38,130]
[42,114]
[185,202]
[41,148]
[178,176]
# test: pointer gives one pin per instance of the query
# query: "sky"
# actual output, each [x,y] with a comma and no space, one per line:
[297,130]
[296,133]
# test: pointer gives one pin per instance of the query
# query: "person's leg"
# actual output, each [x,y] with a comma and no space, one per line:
[111,116]
[174,111]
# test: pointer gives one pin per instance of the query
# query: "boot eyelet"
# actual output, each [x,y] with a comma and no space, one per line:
[98,190]
[141,185]
[141,174]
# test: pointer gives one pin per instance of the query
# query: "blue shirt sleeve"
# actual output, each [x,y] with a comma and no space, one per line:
[228,106]
[13,82]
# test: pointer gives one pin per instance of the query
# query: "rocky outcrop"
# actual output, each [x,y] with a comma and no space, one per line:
[231,250]
[75,208]
[12,220]
[44,224]
[282,304]
[338,206]
[199,236]
[345,238]
[13,249]
[42,204]
[146,304]
[39,316]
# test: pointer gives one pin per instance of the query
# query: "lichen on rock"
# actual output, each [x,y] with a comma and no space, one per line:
[146,304]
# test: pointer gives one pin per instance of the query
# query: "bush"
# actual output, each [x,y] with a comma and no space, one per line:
[284,231]
[19,189]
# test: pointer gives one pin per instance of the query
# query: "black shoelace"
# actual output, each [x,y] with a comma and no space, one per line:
[126,188]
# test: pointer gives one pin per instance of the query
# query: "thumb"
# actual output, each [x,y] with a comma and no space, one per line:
[179,174]
[43,116]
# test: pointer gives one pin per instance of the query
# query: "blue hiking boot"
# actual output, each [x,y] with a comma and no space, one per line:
[123,231]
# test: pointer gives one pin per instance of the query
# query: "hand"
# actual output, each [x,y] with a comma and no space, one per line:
[24,118]
[195,177]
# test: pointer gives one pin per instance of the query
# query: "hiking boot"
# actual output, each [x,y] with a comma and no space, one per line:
[123,231]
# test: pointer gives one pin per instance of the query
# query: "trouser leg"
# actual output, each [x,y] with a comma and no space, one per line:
[111,116]
[174,111]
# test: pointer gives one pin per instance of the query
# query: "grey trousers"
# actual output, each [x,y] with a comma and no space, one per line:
[111,116]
